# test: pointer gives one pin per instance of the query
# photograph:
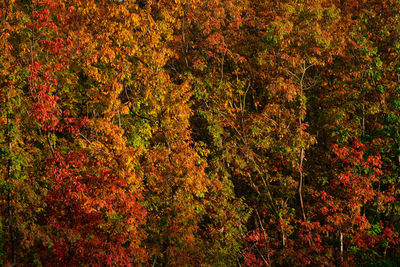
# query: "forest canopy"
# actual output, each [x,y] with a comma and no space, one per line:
[199,133]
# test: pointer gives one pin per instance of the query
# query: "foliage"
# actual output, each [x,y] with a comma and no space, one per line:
[199,133]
